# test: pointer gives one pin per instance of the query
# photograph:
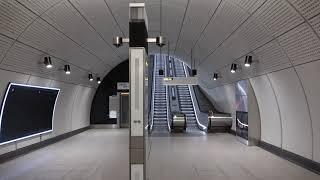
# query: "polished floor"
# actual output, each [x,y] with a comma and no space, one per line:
[100,154]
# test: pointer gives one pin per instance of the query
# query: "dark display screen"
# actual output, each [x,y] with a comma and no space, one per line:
[26,111]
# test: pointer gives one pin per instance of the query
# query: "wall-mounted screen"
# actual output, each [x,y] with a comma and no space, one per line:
[26,111]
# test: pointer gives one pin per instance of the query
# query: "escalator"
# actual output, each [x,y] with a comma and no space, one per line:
[159,104]
[185,98]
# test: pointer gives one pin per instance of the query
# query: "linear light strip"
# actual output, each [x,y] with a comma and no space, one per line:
[4,103]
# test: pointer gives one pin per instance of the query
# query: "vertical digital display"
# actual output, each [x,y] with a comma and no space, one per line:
[26,111]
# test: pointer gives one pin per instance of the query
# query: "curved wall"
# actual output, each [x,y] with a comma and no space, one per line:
[72,110]
[282,35]
[288,101]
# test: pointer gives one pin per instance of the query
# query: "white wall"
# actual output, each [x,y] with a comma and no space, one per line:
[289,104]
[72,109]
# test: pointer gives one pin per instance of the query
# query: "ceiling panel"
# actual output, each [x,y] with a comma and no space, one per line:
[69,21]
[271,57]
[172,18]
[81,34]
[120,10]
[44,37]
[5,44]
[14,18]
[301,44]
[198,15]
[39,6]
[22,58]
[248,5]
[226,20]
[315,23]
[308,8]
[278,17]
[105,25]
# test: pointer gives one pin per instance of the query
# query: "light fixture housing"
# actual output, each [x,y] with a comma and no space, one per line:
[48,62]
[90,76]
[160,41]
[194,72]
[233,68]
[248,61]
[215,76]
[67,69]
[117,41]
[161,72]
[98,80]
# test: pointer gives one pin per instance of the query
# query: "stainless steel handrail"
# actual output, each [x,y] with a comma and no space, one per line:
[153,90]
[167,100]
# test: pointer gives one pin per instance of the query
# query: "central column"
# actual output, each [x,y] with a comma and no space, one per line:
[138,35]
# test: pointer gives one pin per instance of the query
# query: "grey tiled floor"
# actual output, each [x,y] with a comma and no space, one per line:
[103,155]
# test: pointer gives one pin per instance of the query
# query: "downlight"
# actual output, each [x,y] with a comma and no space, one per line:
[248,61]
[215,76]
[117,41]
[48,62]
[160,41]
[67,69]
[233,68]
[98,80]
[90,76]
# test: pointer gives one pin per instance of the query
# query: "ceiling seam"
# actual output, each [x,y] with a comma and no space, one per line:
[213,14]
[52,79]
[13,43]
[114,18]
[305,19]
[182,23]
[104,63]
[211,19]
[60,59]
[262,74]
[210,53]
[252,51]
[100,35]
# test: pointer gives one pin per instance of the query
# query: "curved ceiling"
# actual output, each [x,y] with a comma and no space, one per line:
[277,33]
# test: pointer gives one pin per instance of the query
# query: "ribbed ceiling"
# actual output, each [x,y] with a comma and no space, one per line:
[277,33]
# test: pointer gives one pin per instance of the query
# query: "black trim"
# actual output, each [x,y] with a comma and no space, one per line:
[22,151]
[138,34]
[289,156]
[294,158]
[233,132]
